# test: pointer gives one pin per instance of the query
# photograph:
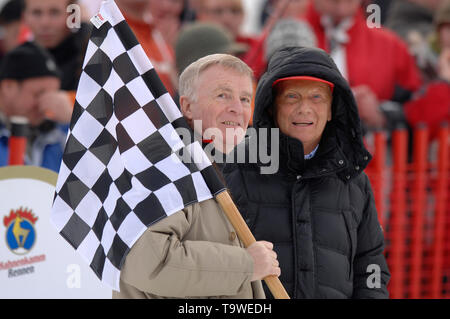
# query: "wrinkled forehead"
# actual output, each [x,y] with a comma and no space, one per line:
[40,84]
[302,86]
[48,3]
[220,71]
[210,4]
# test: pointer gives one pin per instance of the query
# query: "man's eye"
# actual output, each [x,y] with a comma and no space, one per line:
[245,100]
[223,95]
[55,12]
[291,96]
[36,13]
[317,97]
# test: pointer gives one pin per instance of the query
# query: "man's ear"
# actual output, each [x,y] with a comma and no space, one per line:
[186,107]
[8,88]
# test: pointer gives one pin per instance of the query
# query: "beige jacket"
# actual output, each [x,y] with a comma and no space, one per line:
[193,253]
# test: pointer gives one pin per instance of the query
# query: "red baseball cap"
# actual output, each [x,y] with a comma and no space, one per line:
[304,77]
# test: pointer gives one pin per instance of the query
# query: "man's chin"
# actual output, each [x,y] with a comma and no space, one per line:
[36,122]
[228,147]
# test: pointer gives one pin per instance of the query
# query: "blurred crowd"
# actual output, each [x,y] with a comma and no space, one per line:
[395,54]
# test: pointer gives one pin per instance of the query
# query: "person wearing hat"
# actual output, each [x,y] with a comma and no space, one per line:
[29,83]
[318,208]
[11,12]
[432,104]
[200,39]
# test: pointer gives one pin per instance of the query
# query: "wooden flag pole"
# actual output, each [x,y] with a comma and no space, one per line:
[246,236]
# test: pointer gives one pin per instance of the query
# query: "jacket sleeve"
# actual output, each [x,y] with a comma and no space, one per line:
[430,106]
[371,273]
[164,264]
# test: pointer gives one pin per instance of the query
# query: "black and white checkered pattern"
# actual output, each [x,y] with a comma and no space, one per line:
[121,169]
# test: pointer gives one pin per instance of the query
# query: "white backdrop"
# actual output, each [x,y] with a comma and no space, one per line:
[51,268]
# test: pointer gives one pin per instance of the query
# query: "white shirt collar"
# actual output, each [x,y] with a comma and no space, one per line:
[311,155]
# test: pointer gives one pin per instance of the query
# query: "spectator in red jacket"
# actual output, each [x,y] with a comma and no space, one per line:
[230,15]
[166,14]
[377,64]
[155,45]
[432,104]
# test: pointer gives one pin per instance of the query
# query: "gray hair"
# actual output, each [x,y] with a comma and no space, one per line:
[189,77]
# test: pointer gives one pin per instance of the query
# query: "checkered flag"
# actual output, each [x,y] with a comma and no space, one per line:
[122,170]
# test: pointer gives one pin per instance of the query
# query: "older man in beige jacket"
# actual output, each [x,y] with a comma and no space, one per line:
[195,253]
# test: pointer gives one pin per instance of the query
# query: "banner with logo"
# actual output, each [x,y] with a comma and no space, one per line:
[35,261]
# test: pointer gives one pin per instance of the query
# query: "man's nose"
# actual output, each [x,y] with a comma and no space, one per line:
[46,20]
[34,107]
[235,106]
[303,106]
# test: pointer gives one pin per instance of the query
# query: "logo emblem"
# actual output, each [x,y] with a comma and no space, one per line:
[20,231]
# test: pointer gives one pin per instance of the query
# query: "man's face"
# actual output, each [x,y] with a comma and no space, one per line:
[47,20]
[228,13]
[10,36]
[338,10]
[165,8]
[444,36]
[302,109]
[22,98]
[223,103]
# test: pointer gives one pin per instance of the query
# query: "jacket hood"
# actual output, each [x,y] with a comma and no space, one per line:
[342,138]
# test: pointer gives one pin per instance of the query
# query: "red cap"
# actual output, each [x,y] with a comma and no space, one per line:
[304,77]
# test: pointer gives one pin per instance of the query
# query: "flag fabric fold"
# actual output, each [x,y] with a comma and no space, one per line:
[122,170]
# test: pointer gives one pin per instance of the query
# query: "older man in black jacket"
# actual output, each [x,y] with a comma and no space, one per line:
[318,208]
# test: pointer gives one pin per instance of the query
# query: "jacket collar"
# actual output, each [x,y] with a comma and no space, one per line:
[329,158]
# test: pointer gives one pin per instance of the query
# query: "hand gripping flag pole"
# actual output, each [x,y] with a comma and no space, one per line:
[125,167]
[244,234]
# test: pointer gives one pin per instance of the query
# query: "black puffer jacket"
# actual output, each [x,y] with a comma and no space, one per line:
[319,213]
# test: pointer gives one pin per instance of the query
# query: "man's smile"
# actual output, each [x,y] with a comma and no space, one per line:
[231,123]
[302,123]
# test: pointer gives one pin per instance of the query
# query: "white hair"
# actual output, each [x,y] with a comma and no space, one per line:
[189,77]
